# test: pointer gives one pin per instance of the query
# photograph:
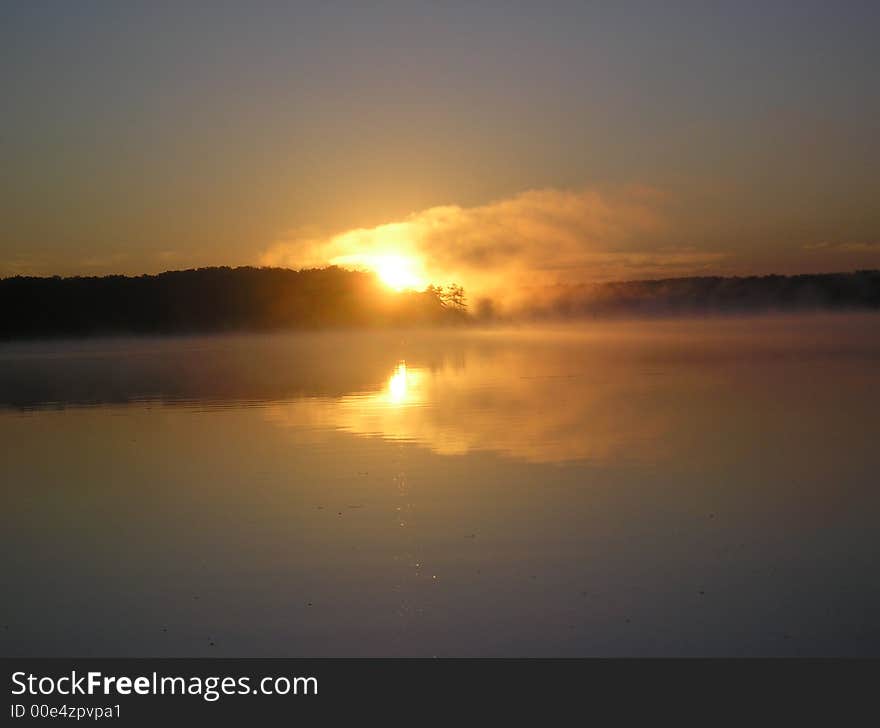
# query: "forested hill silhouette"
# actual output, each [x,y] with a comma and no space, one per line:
[214,299]
[261,299]
[714,294]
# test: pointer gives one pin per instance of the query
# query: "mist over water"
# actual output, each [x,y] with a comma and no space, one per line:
[666,487]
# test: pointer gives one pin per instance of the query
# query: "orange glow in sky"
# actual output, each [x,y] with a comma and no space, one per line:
[397,271]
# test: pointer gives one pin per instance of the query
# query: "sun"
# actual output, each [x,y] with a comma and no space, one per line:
[397,272]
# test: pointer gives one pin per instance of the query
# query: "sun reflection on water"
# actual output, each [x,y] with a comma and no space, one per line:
[398,384]
[500,404]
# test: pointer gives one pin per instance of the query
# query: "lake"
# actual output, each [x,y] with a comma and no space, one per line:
[666,488]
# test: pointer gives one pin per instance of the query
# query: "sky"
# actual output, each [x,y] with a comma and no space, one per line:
[486,143]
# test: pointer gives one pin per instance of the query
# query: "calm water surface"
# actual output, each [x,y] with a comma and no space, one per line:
[651,488]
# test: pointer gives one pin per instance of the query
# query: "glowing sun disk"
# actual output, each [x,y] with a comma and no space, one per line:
[397,272]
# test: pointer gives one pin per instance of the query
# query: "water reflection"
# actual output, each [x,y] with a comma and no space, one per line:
[696,488]
[494,404]
[398,385]
[631,393]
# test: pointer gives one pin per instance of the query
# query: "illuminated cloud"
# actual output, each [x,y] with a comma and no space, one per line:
[851,247]
[539,238]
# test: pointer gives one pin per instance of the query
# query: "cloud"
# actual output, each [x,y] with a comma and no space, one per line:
[536,239]
[852,247]
[20,265]
[102,264]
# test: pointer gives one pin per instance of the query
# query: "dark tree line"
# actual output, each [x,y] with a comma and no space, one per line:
[212,299]
[858,290]
[260,299]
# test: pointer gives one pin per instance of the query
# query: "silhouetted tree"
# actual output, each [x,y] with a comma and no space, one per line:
[453,297]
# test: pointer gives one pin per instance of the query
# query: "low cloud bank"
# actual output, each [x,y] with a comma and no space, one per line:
[507,250]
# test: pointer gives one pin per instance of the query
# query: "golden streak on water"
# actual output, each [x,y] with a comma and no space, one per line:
[397,384]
